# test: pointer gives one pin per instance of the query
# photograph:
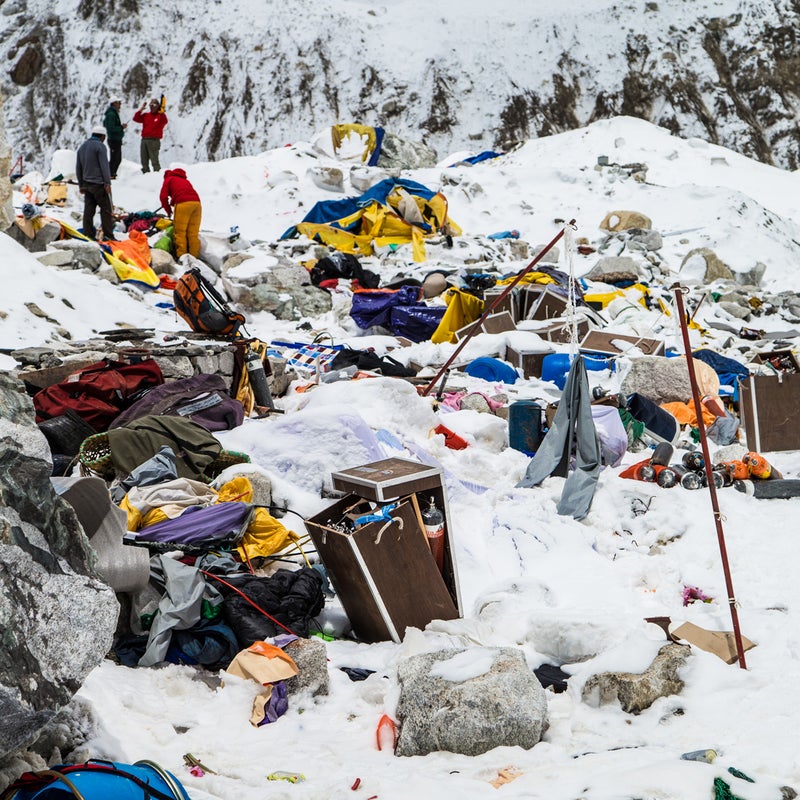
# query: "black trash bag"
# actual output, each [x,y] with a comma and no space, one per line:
[370,360]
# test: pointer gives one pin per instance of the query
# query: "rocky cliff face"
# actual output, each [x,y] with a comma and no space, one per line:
[241,77]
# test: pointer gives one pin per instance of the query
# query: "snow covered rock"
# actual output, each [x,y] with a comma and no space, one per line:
[469,702]
[637,692]
[59,617]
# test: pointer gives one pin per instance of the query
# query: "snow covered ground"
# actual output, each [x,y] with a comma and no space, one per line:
[564,592]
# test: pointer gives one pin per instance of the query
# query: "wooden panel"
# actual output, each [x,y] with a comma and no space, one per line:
[769,408]
[385,576]
[604,342]
[388,479]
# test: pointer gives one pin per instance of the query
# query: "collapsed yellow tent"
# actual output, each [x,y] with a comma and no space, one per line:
[393,212]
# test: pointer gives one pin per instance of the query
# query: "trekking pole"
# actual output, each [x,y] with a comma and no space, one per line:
[679,291]
[499,299]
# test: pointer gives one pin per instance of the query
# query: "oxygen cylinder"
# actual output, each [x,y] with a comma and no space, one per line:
[693,460]
[759,467]
[433,520]
[667,478]
[662,455]
[258,379]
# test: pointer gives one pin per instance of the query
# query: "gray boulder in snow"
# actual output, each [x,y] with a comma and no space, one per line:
[329,178]
[311,657]
[469,702]
[275,284]
[752,277]
[84,254]
[364,177]
[614,268]
[403,154]
[638,691]
[58,616]
[648,239]
[660,379]
[41,240]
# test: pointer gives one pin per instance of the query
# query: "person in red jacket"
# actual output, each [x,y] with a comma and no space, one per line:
[153,123]
[177,192]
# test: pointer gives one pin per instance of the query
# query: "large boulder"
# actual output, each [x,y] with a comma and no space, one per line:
[403,154]
[714,268]
[469,702]
[666,380]
[58,617]
[276,284]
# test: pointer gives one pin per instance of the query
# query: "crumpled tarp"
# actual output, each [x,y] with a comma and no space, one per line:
[572,429]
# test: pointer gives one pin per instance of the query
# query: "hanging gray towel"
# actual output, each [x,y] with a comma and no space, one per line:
[572,428]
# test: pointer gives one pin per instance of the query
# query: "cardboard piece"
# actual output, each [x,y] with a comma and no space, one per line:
[721,643]
[263,663]
[494,323]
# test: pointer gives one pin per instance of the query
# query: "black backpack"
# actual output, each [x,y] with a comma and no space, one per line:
[203,307]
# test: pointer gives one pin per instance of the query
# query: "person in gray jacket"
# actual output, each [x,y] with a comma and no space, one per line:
[94,182]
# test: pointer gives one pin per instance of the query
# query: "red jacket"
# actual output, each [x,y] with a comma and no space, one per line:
[177,189]
[152,124]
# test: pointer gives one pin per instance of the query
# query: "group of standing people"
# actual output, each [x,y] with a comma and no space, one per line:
[95,169]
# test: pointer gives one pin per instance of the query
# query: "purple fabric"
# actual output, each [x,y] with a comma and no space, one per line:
[213,525]
[278,704]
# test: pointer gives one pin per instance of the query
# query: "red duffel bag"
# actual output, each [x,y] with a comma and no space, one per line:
[98,392]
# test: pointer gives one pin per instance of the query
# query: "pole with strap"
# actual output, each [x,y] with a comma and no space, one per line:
[496,302]
[679,291]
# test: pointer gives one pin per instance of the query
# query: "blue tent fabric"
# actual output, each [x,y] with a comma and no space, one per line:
[722,365]
[491,369]
[483,156]
[376,153]
[399,311]
[329,211]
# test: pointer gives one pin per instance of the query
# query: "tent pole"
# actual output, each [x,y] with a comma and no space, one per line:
[679,291]
[499,299]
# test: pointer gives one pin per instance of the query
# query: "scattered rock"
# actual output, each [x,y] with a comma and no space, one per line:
[716,269]
[624,220]
[636,692]
[311,657]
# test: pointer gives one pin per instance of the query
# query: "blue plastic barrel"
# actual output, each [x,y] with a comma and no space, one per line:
[555,366]
[525,426]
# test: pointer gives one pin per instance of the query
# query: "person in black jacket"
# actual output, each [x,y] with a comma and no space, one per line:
[94,182]
[115,133]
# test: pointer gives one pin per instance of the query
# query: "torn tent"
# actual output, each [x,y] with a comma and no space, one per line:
[393,212]
[131,260]
[351,142]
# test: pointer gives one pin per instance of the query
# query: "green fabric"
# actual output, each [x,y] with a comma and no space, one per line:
[166,242]
[195,448]
[113,125]
[634,428]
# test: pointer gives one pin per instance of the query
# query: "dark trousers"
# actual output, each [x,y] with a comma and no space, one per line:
[149,151]
[94,195]
[115,149]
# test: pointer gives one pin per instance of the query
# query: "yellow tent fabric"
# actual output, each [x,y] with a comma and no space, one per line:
[265,535]
[531,277]
[125,271]
[340,132]
[462,308]
[386,224]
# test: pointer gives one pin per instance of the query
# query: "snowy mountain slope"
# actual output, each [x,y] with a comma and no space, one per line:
[243,76]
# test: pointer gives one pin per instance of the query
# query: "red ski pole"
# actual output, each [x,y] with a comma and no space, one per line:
[496,302]
[698,410]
